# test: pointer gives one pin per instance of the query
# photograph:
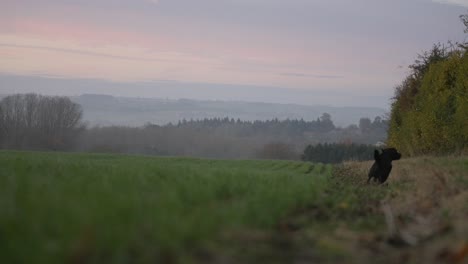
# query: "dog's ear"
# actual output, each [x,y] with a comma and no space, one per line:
[376,155]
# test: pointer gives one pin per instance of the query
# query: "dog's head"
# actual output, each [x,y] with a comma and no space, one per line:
[392,153]
[386,155]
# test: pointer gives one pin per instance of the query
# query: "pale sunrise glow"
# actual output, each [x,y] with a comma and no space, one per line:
[305,45]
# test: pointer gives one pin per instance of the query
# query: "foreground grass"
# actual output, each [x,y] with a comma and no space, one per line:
[81,208]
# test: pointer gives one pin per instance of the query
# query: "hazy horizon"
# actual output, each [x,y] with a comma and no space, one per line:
[338,53]
[175,90]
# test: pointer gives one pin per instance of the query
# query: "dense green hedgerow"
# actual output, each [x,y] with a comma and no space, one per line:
[429,114]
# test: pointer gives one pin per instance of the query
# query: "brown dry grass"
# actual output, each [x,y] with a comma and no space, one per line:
[426,212]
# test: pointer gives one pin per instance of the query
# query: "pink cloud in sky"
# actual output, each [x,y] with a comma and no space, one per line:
[191,51]
[165,35]
[85,50]
[84,34]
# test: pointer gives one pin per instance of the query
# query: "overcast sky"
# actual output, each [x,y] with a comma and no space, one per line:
[335,52]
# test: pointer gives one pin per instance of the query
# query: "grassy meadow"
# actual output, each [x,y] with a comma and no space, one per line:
[58,207]
[97,208]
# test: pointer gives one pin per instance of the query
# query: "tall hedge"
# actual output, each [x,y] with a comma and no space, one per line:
[429,114]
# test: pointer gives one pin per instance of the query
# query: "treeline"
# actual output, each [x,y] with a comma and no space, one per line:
[54,123]
[320,130]
[337,153]
[229,138]
[31,121]
[429,114]
[273,127]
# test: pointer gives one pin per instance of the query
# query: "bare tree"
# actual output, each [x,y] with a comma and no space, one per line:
[31,121]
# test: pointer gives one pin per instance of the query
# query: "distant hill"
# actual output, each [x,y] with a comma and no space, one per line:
[109,110]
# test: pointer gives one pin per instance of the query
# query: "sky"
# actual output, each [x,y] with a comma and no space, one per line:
[333,52]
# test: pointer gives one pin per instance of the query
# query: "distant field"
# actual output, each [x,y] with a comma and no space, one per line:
[91,208]
[60,207]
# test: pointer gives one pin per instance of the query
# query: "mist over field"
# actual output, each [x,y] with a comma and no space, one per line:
[108,110]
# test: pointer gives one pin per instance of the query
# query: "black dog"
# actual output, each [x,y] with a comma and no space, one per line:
[382,166]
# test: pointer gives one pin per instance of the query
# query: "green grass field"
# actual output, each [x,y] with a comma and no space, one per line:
[96,208]
[59,207]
